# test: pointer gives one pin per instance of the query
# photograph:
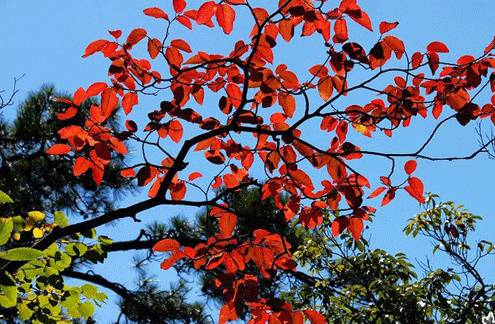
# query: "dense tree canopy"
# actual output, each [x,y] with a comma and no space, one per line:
[242,118]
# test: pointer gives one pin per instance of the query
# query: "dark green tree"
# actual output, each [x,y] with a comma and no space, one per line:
[40,180]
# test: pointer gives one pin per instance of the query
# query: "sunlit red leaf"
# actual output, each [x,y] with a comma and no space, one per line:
[410,166]
[179,5]
[314,317]
[377,192]
[136,36]
[416,60]
[194,176]
[79,96]
[389,196]
[185,21]
[340,28]
[286,29]
[154,47]
[415,189]
[227,224]
[395,45]
[166,245]
[230,181]
[437,47]
[95,46]
[109,102]
[206,12]
[95,89]
[68,114]
[155,13]
[128,173]
[325,88]
[386,26]
[81,165]
[130,100]
[59,149]
[175,130]
[181,45]
[355,227]
[225,17]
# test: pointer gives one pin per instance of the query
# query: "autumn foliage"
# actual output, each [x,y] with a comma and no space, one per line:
[257,130]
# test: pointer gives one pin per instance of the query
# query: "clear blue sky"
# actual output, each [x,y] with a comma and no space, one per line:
[45,41]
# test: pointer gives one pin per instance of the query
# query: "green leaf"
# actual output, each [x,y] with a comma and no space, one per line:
[36,216]
[4,198]
[21,254]
[60,219]
[76,249]
[8,286]
[104,239]
[24,312]
[86,309]
[6,227]
[89,291]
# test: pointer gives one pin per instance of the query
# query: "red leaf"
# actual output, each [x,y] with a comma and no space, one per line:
[154,47]
[433,61]
[230,181]
[194,176]
[175,130]
[416,59]
[178,192]
[389,196]
[115,33]
[181,44]
[130,100]
[59,149]
[215,157]
[95,89]
[155,13]
[410,166]
[286,29]
[109,102]
[339,224]
[128,173]
[340,28]
[415,189]
[225,17]
[179,5]
[79,96]
[355,227]
[185,21]
[386,26]
[81,165]
[68,114]
[131,126]
[377,192]
[70,131]
[227,224]
[314,317]
[136,36]
[395,45]
[205,12]
[437,47]
[325,88]
[361,18]
[95,46]
[145,175]
[166,245]
[97,174]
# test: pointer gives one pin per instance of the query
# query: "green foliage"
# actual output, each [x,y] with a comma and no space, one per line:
[351,283]
[37,292]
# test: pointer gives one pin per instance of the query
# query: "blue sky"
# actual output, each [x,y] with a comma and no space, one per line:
[45,41]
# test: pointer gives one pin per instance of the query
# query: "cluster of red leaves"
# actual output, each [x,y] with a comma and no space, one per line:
[245,82]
